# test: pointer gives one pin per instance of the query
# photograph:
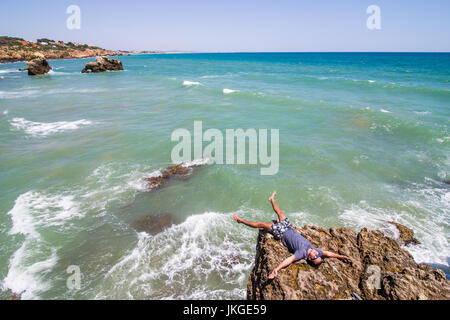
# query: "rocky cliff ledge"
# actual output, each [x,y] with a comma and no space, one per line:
[17,49]
[381,269]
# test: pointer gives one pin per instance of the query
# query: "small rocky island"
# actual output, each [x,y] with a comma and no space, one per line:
[37,65]
[102,64]
[380,270]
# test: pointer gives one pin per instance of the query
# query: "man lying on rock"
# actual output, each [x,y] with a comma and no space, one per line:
[291,238]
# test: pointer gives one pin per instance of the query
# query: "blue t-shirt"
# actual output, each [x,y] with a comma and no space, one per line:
[297,244]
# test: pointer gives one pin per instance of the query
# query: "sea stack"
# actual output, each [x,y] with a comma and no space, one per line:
[103,64]
[37,65]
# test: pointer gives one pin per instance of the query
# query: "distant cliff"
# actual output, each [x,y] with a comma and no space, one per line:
[17,49]
[380,270]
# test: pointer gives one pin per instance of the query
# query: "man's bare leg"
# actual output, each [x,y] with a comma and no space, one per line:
[257,225]
[281,215]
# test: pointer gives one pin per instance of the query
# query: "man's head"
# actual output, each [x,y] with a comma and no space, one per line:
[315,256]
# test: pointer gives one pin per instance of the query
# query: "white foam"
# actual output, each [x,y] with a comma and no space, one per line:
[371,81]
[385,111]
[111,182]
[442,140]
[137,183]
[26,278]
[177,262]
[32,212]
[33,209]
[196,163]
[429,227]
[5,112]
[58,73]
[228,91]
[362,215]
[36,92]
[191,83]
[6,71]
[17,94]
[115,182]
[42,129]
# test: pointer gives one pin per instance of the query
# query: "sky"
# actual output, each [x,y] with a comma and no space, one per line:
[235,25]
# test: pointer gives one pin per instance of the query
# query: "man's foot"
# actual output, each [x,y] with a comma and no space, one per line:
[235,216]
[272,197]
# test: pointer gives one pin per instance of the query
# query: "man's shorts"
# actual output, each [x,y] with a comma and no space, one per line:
[278,228]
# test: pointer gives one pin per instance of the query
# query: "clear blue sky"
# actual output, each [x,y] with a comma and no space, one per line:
[235,25]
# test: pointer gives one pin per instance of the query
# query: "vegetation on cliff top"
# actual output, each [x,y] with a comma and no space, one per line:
[17,49]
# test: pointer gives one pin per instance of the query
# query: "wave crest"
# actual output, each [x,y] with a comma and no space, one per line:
[43,129]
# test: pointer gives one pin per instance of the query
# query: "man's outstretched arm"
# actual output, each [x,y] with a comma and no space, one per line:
[335,255]
[284,264]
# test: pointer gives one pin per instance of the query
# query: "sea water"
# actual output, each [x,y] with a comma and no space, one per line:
[364,139]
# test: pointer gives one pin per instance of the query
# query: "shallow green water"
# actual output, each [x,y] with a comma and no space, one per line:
[364,139]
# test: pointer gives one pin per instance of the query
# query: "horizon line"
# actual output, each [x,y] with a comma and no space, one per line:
[224,52]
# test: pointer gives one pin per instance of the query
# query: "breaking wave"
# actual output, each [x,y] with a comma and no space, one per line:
[228,91]
[42,129]
[32,213]
[191,83]
[186,261]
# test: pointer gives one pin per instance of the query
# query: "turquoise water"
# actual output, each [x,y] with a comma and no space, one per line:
[364,139]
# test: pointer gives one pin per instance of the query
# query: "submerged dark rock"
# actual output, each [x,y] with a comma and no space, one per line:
[177,171]
[229,260]
[380,269]
[153,224]
[103,64]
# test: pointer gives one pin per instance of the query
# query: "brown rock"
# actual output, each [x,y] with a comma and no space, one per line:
[179,171]
[37,65]
[379,270]
[406,235]
[103,64]
[15,297]
[153,224]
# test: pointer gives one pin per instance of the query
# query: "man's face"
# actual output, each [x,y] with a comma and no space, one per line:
[312,254]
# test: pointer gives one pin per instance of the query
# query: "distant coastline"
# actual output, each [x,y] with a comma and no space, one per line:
[14,49]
